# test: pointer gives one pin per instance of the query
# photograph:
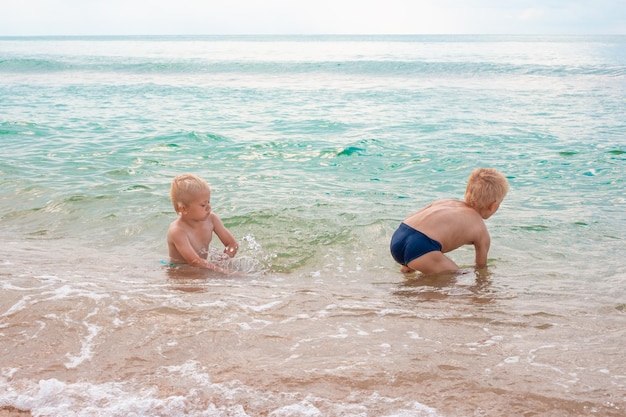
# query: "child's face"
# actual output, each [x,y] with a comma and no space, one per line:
[199,207]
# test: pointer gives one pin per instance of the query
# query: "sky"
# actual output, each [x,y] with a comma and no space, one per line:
[233,17]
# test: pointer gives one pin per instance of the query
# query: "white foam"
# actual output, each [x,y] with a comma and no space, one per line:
[56,398]
[86,344]
[19,306]
[510,360]
[297,317]
[262,307]
[414,335]
[489,342]
[343,333]
[48,277]
[8,372]
[9,286]
[532,355]
[192,370]
[213,304]
[67,291]
[394,312]
[304,409]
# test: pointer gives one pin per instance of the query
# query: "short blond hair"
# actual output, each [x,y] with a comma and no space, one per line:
[184,187]
[485,186]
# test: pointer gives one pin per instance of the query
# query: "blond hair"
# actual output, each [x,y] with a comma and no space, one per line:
[485,186]
[184,187]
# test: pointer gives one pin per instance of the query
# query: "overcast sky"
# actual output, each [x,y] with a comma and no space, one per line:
[182,17]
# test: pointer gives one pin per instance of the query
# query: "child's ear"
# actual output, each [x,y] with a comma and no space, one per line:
[493,206]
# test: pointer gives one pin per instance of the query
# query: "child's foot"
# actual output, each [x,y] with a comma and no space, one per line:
[405,269]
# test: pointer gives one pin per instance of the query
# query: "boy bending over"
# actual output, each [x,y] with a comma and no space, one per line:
[189,236]
[422,239]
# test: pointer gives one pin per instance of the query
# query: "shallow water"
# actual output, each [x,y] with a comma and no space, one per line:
[316,148]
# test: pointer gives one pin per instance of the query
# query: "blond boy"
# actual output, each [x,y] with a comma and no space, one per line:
[421,240]
[189,236]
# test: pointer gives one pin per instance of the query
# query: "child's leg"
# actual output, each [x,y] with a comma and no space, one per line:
[432,263]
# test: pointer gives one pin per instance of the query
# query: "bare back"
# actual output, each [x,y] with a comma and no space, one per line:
[453,223]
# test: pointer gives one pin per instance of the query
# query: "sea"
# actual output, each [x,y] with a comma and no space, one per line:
[316,148]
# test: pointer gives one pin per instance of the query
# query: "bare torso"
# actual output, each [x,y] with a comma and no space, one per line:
[198,236]
[452,223]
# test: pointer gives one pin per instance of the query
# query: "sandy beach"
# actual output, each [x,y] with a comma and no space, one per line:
[316,148]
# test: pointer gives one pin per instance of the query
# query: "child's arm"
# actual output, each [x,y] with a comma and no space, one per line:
[481,246]
[231,246]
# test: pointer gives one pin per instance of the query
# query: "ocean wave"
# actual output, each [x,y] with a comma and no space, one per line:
[355,67]
[55,397]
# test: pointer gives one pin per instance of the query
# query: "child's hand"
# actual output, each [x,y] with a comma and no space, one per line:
[231,251]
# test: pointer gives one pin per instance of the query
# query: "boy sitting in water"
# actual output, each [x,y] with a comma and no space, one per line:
[189,236]
[422,239]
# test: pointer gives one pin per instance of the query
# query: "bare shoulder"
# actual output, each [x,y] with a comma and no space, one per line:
[450,205]
[173,226]
[438,210]
[214,221]
[455,208]
[173,229]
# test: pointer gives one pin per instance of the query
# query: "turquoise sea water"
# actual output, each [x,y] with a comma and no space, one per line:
[315,148]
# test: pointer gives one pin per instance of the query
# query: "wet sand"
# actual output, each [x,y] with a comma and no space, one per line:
[13,412]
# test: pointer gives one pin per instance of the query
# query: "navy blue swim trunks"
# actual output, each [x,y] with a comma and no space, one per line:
[408,244]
